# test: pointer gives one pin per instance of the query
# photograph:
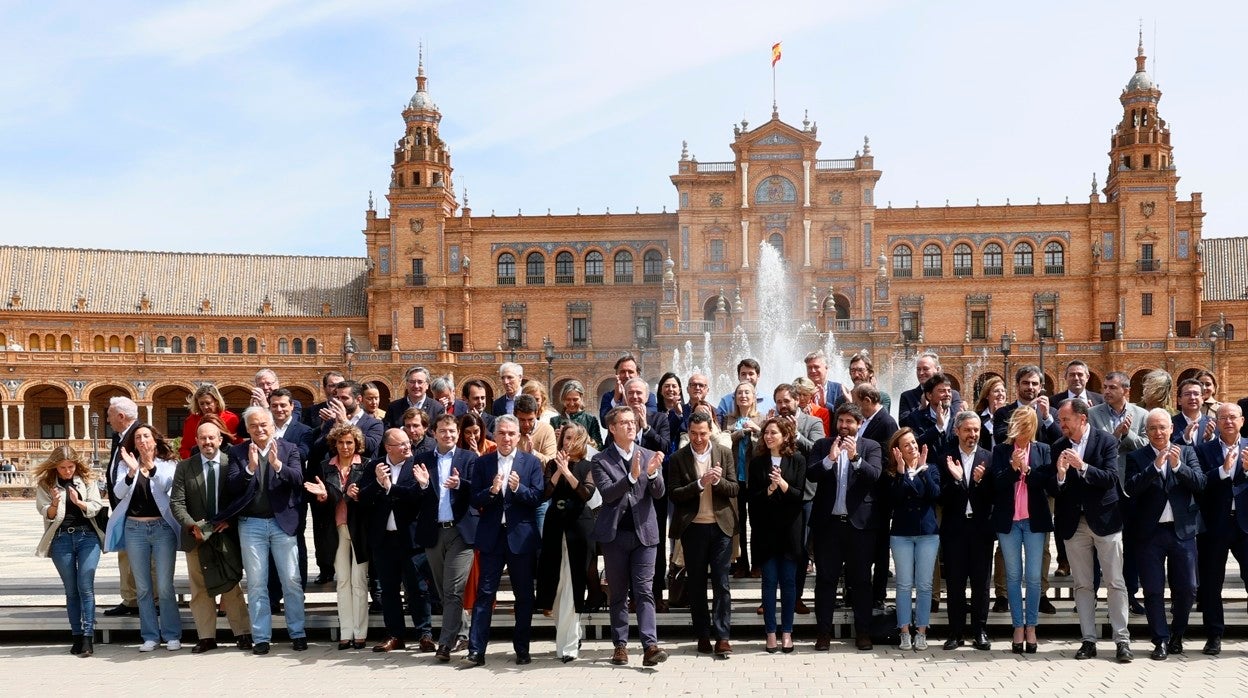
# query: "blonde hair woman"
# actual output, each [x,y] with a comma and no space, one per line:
[1157,391]
[205,400]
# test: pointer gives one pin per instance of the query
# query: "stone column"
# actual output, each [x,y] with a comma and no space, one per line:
[148,408]
[69,427]
[21,422]
[745,244]
[86,421]
[806,240]
[806,181]
[745,185]
[6,421]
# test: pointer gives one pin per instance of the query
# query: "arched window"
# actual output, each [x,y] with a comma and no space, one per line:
[223,346]
[175,345]
[962,260]
[506,269]
[238,345]
[1228,331]
[623,267]
[652,267]
[1054,258]
[162,342]
[67,343]
[932,260]
[114,344]
[97,344]
[34,343]
[297,345]
[902,262]
[131,345]
[251,345]
[776,240]
[994,260]
[283,347]
[564,272]
[593,267]
[192,346]
[311,345]
[1024,259]
[535,269]
[49,343]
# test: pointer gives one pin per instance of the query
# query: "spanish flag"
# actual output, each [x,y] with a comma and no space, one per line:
[775,54]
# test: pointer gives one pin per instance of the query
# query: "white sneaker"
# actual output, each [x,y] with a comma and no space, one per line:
[147,646]
[905,641]
[920,642]
[173,645]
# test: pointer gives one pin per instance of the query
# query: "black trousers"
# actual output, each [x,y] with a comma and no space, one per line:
[706,545]
[1212,550]
[966,553]
[563,521]
[839,546]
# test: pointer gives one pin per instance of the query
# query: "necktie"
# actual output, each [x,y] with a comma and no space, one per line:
[212,488]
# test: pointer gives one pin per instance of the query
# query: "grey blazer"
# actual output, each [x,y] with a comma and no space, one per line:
[1099,418]
[611,479]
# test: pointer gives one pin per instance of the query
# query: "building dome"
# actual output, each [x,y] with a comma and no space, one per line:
[1140,81]
[422,100]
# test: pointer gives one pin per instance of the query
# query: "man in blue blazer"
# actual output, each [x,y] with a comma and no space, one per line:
[965,535]
[416,380]
[1085,486]
[630,478]
[265,480]
[1224,508]
[1191,425]
[511,375]
[507,486]
[626,369]
[394,492]
[448,527]
[1029,388]
[1165,480]
[1076,377]
[843,522]
[287,428]
[933,424]
[926,366]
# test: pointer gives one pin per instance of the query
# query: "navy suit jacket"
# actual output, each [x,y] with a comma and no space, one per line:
[1044,434]
[285,488]
[1093,399]
[859,498]
[909,401]
[369,425]
[395,410]
[1180,423]
[461,498]
[881,427]
[1092,494]
[1215,503]
[301,435]
[499,407]
[521,532]
[656,437]
[296,415]
[407,500]
[1181,487]
[927,434]
[608,398]
[1001,479]
[312,416]
[954,494]
[618,492]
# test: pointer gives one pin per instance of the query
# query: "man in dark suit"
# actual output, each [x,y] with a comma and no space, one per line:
[926,366]
[346,409]
[1077,386]
[511,375]
[629,532]
[122,416]
[626,369]
[265,480]
[1224,508]
[843,523]
[395,492]
[507,486]
[966,536]
[1191,425]
[447,534]
[1028,387]
[829,393]
[475,397]
[314,415]
[1165,481]
[417,382]
[878,426]
[198,494]
[285,427]
[933,424]
[703,493]
[265,381]
[1085,486]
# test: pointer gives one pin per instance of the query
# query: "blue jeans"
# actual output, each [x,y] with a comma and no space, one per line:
[76,555]
[915,559]
[261,538]
[782,571]
[147,541]
[1022,552]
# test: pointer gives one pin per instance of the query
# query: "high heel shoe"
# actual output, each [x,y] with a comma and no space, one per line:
[786,644]
[1030,647]
[771,644]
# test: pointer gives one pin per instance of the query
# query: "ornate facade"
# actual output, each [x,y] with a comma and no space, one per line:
[1123,280]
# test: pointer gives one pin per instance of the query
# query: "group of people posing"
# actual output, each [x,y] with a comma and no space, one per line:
[427,502]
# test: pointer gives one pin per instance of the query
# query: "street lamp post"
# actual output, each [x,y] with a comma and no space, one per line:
[513,337]
[1042,323]
[95,437]
[1005,357]
[548,348]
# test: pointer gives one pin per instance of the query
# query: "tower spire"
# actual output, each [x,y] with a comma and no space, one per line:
[420,68]
[1139,51]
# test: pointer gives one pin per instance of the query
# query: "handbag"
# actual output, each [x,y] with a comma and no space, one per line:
[677,587]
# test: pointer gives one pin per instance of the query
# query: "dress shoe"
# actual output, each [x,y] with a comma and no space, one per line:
[260,648]
[324,578]
[88,646]
[1213,646]
[461,645]
[722,648]
[1047,607]
[475,659]
[1175,646]
[620,656]
[1159,652]
[661,606]
[981,641]
[122,610]
[653,656]
[443,654]
[76,647]
[203,646]
[1001,605]
[953,643]
[427,644]
[522,659]
[344,645]
[801,608]
[704,645]
[1063,570]
[244,642]
[357,644]
[1087,650]
[759,610]
[1136,608]
[863,642]
[1123,655]
[823,642]
[390,644]
[299,644]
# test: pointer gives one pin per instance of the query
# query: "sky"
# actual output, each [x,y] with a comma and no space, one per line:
[262,125]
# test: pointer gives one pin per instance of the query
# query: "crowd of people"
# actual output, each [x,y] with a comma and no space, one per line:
[421,506]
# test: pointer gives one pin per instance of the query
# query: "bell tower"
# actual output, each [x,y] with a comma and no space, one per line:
[1140,154]
[421,175]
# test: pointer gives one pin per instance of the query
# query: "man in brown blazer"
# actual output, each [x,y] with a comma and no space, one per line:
[702,482]
[194,503]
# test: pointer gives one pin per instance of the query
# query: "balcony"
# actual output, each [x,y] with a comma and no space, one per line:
[535,280]
[994,271]
[859,325]
[593,279]
[712,167]
[1055,269]
[1148,265]
[962,271]
[417,279]
[506,281]
[695,326]
[623,279]
[932,272]
[1024,270]
[652,278]
[564,279]
[902,273]
[839,164]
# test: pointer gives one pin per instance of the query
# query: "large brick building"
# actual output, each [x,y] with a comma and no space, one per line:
[1123,280]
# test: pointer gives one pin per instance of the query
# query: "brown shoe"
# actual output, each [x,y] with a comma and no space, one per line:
[203,646]
[443,654]
[653,656]
[759,610]
[620,656]
[801,608]
[1063,570]
[427,644]
[660,606]
[823,642]
[722,648]
[864,642]
[390,644]
[755,573]
[704,645]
